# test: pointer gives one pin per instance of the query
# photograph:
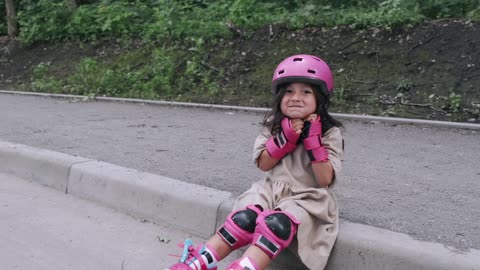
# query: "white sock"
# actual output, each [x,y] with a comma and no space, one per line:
[209,258]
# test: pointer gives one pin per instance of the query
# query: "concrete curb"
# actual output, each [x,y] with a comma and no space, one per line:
[143,195]
[364,247]
[168,201]
[341,116]
[45,167]
[152,197]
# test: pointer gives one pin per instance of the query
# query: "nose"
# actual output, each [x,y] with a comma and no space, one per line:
[296,95]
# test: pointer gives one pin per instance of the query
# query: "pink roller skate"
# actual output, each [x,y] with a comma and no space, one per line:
[201,258]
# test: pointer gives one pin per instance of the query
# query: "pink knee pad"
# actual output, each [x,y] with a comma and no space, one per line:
[274,232]
[238,229]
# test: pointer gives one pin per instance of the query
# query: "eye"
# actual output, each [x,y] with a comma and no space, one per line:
[288,91]
[307,91]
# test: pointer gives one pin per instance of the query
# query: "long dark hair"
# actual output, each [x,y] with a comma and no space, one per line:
[274,117]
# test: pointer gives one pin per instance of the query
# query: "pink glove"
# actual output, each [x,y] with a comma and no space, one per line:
[283,142]
[312,141]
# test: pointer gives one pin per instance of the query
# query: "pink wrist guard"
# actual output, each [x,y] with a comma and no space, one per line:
[316,152]
[283,142]
[313,142]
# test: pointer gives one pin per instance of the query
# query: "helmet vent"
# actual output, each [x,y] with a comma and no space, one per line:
[311,71]
[316,58]
[297,59]
[281,71]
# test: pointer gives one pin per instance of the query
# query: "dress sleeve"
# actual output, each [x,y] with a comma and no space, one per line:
[259,145]
[333,142]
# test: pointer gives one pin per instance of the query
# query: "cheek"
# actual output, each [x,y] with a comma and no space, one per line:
[283,103]
[313,105]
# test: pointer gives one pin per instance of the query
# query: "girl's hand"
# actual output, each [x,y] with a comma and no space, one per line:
[311,117]
[312,140]
[297,125]
[285,141]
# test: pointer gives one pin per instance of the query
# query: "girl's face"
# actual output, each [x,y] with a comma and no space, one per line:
[299,101]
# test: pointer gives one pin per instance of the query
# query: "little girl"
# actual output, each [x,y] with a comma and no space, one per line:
[300,150]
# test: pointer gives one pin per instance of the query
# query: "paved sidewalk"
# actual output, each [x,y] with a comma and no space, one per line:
[422,181]
[43,228]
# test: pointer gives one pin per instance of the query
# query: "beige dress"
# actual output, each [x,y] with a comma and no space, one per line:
[291,186]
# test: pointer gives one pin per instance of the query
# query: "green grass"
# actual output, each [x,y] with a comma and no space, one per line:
[167,20]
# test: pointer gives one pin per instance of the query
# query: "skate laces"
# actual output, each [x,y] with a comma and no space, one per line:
[187,247]
[191,255]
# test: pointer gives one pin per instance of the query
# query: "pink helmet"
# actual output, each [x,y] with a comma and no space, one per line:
[303,68]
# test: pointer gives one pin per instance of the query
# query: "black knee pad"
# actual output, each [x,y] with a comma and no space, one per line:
[246,219]
[238,229]
[280,225]
[275,231]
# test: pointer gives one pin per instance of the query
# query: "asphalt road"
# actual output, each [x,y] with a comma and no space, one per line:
[423,181]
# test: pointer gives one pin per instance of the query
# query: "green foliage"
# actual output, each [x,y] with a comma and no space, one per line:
[157,73]
[42,20]
[3,28]
[108,19]
[447,8]
[450,103]
[175,20]
[454,102]
[83,24]
[160,73]
[387,14]
[197,77]
[249,14]
[474,14]
[340,97]
[93,78]
[474,109]
[47,20]
[42,82]
[3,20]
[404,85]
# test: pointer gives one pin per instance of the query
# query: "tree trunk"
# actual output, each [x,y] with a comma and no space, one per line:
[71,4]
[11,20]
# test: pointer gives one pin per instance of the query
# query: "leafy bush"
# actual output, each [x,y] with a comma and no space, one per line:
[93,78]
[42,81]
[176,20]
[3,20]
[153,73]
[3,29]
[447,8]
[42,20]
[391,13]
[105,19]
[474,14]
[159,74]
